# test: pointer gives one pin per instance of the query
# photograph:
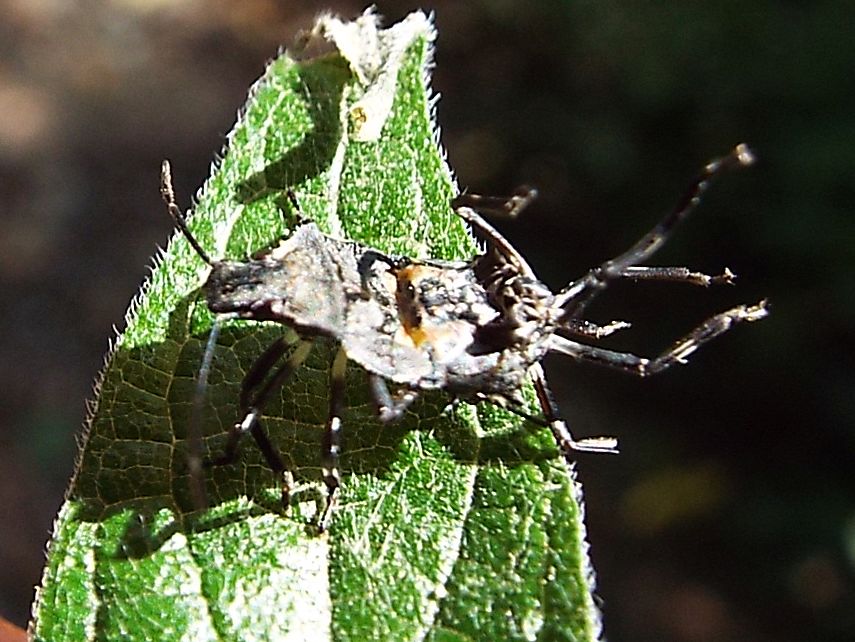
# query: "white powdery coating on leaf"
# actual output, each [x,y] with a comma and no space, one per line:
[334,174]
[449,554]
[375,56]
[180,581]
[298,586]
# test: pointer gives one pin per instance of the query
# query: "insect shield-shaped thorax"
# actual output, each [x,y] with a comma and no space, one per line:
[306,282]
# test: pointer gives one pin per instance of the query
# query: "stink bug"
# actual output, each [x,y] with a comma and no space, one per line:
[475,329]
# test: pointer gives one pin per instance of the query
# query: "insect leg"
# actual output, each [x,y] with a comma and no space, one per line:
[389,408]
[263,366]
[677,353]
[584,328]
[298,210]
[580,292]
[677,275]
[508,206]
[560,431]
[466,204]
[495,238]
[168,194]
[254,397]
[331,446]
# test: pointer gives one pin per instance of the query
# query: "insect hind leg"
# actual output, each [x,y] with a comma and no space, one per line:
[679,352]
[465,206]
[560,431]
[507,206]
[331,445]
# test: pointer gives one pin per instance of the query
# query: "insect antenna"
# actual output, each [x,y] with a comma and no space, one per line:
[579,293]
[195,463]
[168,194]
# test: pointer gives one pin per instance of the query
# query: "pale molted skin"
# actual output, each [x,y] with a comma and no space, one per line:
[422,324]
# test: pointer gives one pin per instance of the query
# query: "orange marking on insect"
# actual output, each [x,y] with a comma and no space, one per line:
[408,304]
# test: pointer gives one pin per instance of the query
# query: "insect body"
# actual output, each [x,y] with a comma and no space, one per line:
[475,329]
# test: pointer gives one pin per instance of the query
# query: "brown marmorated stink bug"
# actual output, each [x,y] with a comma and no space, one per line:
[475,329]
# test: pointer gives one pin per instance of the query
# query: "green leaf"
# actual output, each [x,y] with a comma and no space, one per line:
[455,524]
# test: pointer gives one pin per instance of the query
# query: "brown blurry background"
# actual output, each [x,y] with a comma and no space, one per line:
[730,513]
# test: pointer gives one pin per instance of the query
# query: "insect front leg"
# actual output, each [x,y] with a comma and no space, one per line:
[255,393]
[677,353]
[331,445]
[676,275]
[579,293]
[389,408]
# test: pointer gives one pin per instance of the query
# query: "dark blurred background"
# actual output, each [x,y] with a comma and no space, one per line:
[730,514]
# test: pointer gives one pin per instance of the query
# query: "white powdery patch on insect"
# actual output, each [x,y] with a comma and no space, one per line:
[375,55]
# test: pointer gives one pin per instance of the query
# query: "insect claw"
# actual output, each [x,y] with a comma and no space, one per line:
[725,278]
[287,484]
[326,516]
